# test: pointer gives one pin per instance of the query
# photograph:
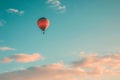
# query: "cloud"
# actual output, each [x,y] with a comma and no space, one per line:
[57,4]
[83,54]
[22,58]
[6,49]
[61,7]
[91,67]
[2,22]
[6,60]
[100,65]
[1,41]
[56,71]
[15,11]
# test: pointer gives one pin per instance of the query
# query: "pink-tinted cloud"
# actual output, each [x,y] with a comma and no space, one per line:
[56,71]
[100,65]
[6,60]
[23,58]
[89,68]
[6,48]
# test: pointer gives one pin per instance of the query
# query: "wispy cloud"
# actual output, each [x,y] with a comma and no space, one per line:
[91,67]
[15,11]
[57,4]
[6,49]
[2,22]
[22,58]
[83,54]
[1,41]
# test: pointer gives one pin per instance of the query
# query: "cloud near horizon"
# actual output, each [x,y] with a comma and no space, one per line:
[15,11]
[91,67]
[22,58]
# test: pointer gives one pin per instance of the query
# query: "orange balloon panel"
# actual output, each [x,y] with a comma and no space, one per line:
[43,23]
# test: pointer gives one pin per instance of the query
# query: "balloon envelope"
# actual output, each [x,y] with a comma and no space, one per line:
[43,23]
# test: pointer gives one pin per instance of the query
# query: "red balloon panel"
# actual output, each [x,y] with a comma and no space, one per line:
[43,24]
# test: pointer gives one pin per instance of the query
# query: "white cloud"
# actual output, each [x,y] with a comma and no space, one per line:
[61,7]
[22,58]
[15,11]
[6,49]
[57,4]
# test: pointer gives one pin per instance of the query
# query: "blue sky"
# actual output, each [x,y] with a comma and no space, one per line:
[87,26]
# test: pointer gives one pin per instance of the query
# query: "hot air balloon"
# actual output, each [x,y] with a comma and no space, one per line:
[43,24]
